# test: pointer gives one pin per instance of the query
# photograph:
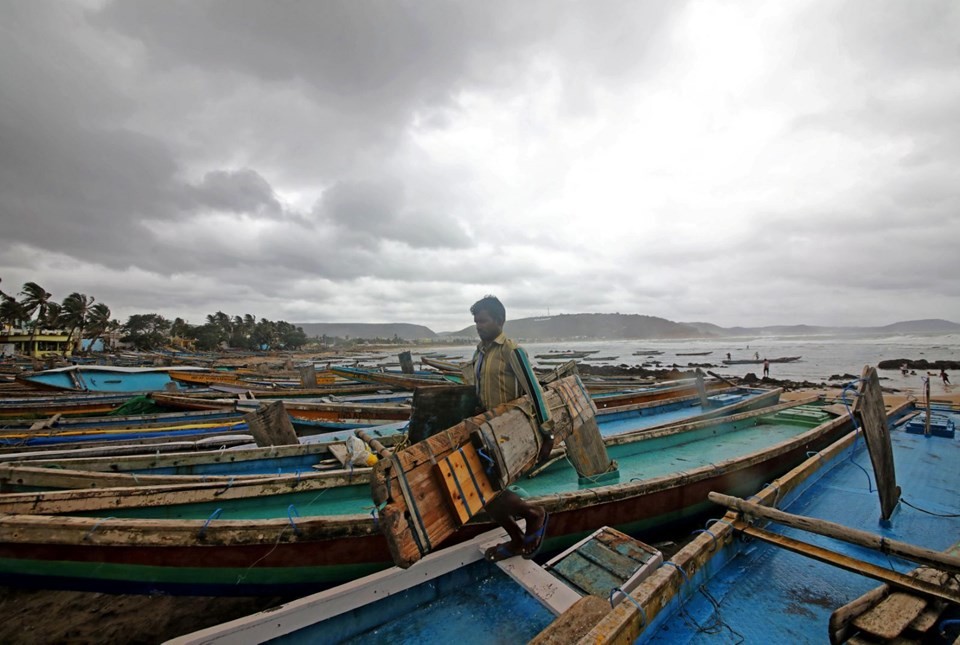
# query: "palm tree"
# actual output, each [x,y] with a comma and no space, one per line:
[75,310]
[98,321]
[36,300]
[11,312]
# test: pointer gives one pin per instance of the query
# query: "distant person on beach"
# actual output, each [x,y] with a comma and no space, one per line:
[766,368]
[944,377]
[502,373]
[728,356]
[756,356]
[904,369]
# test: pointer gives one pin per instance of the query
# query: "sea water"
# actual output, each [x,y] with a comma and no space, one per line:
[822,356]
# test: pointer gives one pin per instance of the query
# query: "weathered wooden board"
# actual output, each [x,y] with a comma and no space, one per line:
[417,516]
[271,426]
[587,452]
[467,485]
[873,414]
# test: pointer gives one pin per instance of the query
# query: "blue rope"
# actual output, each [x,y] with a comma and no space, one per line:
[490,463]
[643,614]
[678,568]
[291,511]
[203,529]
[716,520]
[712,537]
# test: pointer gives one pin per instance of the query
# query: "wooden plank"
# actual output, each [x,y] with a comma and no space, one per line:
[550,591]
[624,544]
[466,484]
[584,573]
[406,362]
[271,426]
[875,430]
[308,375]
[587,452]
[574,623]
[619,565]
[891,616]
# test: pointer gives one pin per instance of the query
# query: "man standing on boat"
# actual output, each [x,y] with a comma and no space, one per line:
[501,372]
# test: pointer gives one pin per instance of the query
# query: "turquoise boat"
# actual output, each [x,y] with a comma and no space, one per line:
[103,378]
[297,534]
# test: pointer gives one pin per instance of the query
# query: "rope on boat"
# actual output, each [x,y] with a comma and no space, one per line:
[712,537]
[225,488]
[715,520]
[856,428]
[643,614]
[86,536]
[203,529]
[291,511]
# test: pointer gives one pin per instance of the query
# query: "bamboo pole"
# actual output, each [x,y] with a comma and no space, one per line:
[918,554]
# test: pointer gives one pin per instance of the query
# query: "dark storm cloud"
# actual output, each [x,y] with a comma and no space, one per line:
[204,154]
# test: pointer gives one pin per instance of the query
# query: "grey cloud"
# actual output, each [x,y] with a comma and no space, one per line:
[240,191]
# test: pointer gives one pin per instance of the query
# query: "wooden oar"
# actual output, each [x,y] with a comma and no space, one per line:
[935,559]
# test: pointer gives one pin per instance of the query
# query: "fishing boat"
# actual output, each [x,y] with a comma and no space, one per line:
[758,361]
[249,379]
[810,575]
[557,354]
[452,591]
[296,535]
[105,378]
[397,380]
[694,353]
[65,404]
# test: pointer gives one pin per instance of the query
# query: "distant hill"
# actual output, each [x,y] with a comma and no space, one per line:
[929,326]
[599,326]
[368,330]
[613,326]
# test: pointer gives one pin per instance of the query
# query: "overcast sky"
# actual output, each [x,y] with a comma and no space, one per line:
[741,163]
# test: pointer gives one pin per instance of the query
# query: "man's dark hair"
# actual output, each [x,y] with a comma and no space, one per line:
[493,306]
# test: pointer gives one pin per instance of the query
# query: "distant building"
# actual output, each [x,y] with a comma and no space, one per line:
[43,344]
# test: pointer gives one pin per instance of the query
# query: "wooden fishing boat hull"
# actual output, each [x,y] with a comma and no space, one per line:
[290,554]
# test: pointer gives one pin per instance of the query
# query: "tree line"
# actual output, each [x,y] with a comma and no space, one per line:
[34,309]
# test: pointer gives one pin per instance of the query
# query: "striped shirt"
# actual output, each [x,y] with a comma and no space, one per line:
[502,373]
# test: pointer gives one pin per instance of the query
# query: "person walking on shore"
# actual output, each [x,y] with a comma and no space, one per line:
[502,373]
[766,368]
[944,377]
